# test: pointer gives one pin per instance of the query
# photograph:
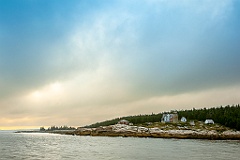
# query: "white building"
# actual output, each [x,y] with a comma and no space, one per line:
[171,118]
[183,119]
[192,123]
[209,121]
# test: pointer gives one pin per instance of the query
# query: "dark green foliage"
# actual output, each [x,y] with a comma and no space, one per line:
[139,119]
[42,129]
[228,115]
[53,128]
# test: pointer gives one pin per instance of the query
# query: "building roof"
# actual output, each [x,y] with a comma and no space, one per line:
[123,121]
[209,121]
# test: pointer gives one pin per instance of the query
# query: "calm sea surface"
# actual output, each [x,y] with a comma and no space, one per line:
[53,146]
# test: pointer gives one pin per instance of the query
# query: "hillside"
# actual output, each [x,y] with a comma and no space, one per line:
[228,116]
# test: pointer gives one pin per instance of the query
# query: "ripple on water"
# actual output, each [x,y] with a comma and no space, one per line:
[53,146]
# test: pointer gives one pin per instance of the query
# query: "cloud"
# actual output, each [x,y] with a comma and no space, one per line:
[90,112]
[159,44]
[97,61]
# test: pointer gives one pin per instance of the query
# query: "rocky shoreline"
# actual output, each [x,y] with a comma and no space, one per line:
[139,131]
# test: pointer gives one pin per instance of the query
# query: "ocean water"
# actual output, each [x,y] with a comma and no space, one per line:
[34,146]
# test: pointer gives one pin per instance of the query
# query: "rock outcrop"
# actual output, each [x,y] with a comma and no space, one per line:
[136,131]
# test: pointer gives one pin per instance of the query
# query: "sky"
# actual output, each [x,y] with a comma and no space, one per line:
[82,61]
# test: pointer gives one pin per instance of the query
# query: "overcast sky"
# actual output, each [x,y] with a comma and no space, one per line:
[78,62]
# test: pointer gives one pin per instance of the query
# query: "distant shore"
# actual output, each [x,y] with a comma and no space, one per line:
[139,131]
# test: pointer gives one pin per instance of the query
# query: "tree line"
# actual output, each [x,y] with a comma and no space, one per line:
[228,116]
[138,119]
[54,128]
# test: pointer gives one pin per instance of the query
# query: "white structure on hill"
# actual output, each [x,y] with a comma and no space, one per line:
[170,118]
[209,121]
[192,123]
[183,119]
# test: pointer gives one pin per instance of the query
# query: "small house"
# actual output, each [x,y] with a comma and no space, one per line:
[123,121]
[209,121]
[192,123]
[170,118]
[183,119]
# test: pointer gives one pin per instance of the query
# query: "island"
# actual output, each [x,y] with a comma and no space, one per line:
[220,123]
[158,130]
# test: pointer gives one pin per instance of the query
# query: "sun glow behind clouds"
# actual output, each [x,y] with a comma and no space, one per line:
[36,95]
[48,92]
[55,87]
[115,59]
